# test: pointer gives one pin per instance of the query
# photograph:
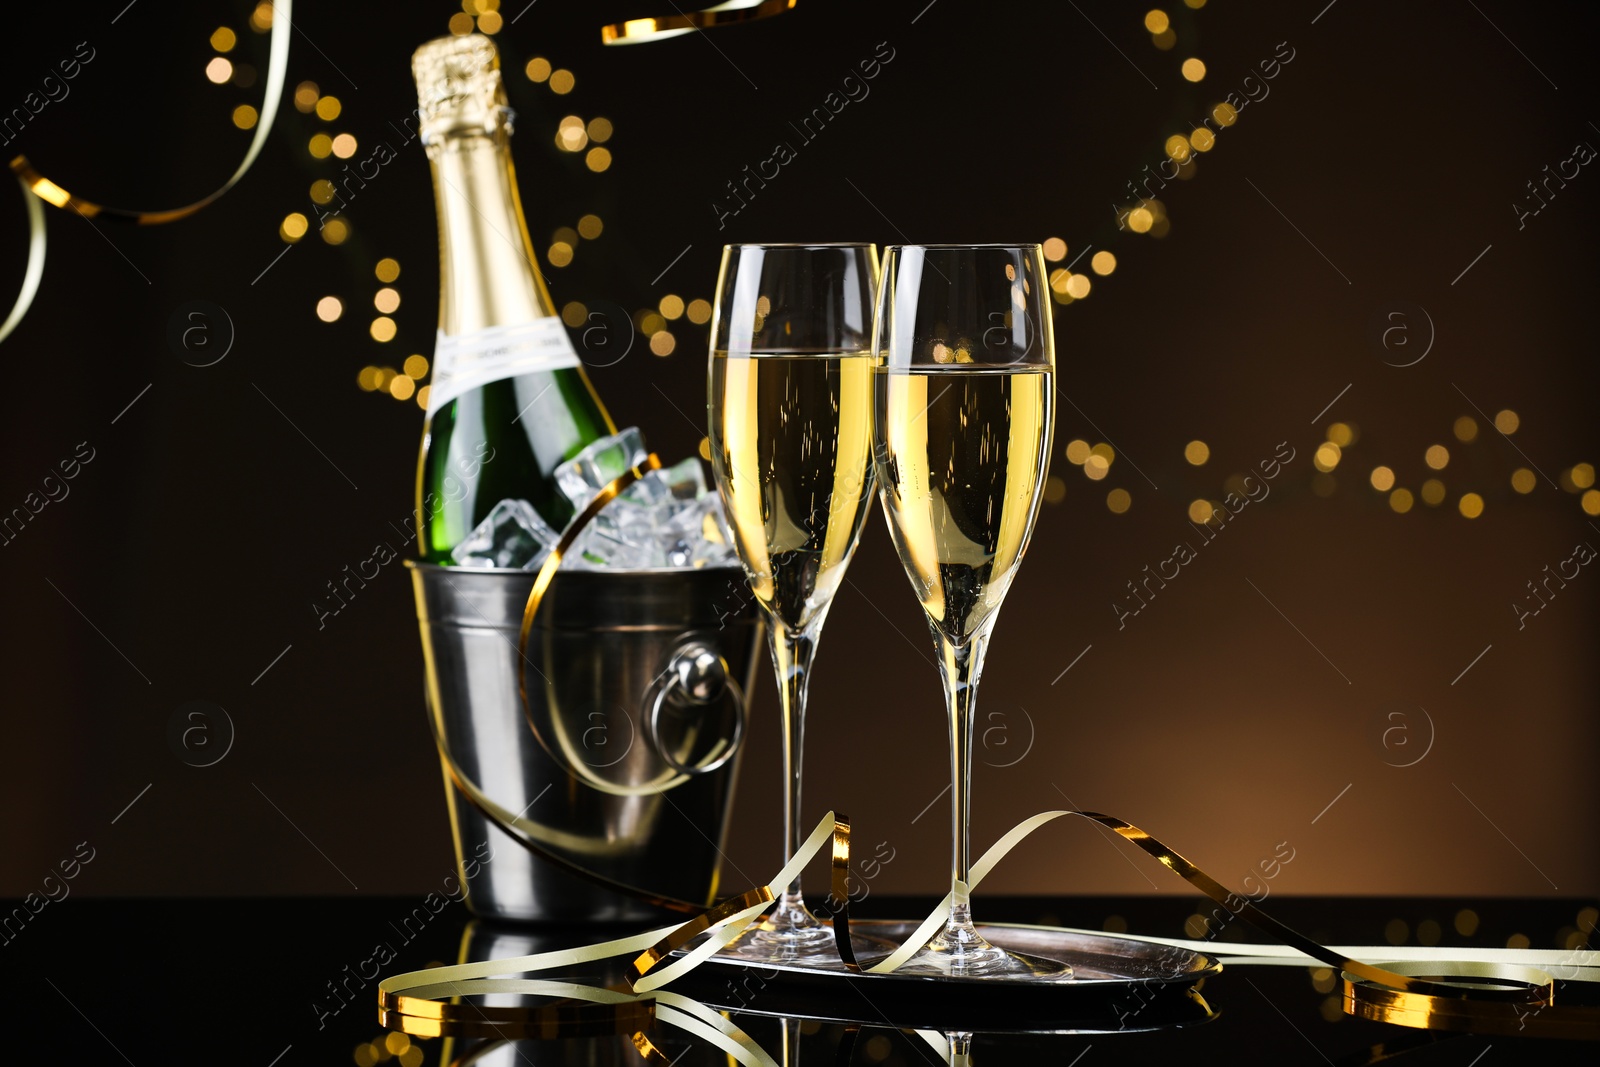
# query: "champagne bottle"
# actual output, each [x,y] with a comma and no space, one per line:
[509,399]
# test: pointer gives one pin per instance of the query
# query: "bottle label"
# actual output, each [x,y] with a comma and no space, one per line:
[471,361]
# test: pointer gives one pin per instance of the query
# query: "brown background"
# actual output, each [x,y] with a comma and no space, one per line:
[1252,693]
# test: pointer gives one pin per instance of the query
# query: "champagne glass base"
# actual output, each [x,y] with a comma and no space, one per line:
[810,945]
[970,956]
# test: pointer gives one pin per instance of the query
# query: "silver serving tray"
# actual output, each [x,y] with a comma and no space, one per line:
[1118,983]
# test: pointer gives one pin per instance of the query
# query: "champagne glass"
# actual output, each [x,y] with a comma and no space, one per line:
[790,401]
[963,367]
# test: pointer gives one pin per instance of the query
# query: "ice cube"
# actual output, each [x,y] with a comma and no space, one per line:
[667,518]
[599,464]
[695,535]
[513,534]
[684,481]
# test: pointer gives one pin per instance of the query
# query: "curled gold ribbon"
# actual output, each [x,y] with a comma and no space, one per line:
[42,188]
[1440,995]
[541,584]
[637,31]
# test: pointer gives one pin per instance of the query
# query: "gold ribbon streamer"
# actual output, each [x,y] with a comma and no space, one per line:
[49,191]
[637,31]
[541,585]
[1441,994]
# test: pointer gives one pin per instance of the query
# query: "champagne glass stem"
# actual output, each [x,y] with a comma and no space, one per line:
[960,666]
[792,651]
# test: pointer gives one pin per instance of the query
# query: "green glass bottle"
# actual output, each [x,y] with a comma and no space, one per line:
[509,399]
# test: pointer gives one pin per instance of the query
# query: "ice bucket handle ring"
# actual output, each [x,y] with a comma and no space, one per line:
[701,676]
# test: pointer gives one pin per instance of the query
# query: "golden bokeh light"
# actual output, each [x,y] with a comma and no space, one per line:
[590,227]
[662,343]
[571,135]
[1225,114]
[1523,481]
[293,227]
[1193,69]
[1401,501]
[1470,505]
[1055,250]
[1177,147]
[1583,475]
[1342,434]
[387,269]
[1078,286]
[1590,502]
[415,366]
[1194,5]
[1507,421]
[1140,220]
[1196,452]
[219,70]
[322,191]
[1077,451]
[461,24]
[382,329]
[1437,457]
[1119,501]
[367,379]
[1156,21]
[422,396]
[1433,492]
[335,231]
[1165,39]
[574,313]
[305,97]
[649,322]
[598,159]
[538,69]
[705,449]
[344,146]
[562,81]
[1096,467]
[320,146]
[1465,429]
[329,308]
[699,312]
[401,387]
[1466,922]
[1327,456]
[1102,263]
[386,300]
[1202,139]
[1382,479]
[490,22]
[328,108]
[245,117]
[261,17]
[560,254]
[1200,511]
[1055,490]
[565,234]
[223,39]
[600,130]
[671,307]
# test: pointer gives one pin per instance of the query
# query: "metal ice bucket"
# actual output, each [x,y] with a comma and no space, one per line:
[623,762]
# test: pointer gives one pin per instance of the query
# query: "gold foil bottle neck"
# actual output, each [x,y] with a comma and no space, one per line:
[458,87]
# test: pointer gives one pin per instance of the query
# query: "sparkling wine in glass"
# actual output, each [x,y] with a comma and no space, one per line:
[964,366]
[790,403]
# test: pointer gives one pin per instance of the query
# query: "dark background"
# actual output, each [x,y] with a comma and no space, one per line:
[1252,702]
